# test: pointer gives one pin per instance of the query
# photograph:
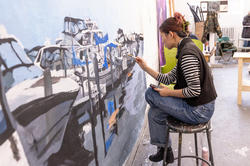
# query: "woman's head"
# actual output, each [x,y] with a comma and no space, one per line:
[173,29]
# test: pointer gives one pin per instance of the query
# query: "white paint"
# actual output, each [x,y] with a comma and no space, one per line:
[243,151]
[86,128]
[47,41]
[190,149]
[3,30]
[7,154]
[4,34]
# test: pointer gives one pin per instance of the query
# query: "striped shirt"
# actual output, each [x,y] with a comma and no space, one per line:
[191,71]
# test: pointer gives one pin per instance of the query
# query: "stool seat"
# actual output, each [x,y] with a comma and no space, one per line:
[179,126]
[174,125]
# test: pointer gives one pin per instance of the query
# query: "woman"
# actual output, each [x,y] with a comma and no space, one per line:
[193,97]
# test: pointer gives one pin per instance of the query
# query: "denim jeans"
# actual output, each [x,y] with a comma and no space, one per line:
[162,107]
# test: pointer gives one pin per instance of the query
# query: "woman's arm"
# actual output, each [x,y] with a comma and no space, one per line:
[167,79]
[146,68]
[191,71]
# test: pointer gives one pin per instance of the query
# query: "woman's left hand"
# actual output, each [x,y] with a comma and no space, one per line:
[163,90]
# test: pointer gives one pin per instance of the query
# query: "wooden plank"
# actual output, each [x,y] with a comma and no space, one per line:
[246,85]
[170,8]
[246,60]
[245,88]
[244,48]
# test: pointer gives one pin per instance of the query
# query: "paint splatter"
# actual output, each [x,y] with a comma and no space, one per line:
[242,151]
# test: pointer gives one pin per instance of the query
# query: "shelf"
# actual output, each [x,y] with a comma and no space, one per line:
[244,39]
[246,48]
[246,85]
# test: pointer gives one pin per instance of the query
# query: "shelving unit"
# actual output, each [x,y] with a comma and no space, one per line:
[241,48]
[241,42]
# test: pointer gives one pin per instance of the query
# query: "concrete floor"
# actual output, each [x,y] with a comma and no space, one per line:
[230,122]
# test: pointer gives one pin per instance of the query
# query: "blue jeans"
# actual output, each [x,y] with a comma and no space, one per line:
[162,107]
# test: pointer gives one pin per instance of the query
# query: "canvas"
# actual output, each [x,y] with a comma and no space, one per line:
[71,91]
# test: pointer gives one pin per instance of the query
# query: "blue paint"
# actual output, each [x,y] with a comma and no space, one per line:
[99,40]
[76,61]
[3,125]
[105,61]
[108,126]
[111,107]
[109,141]
[105,53]
[83,118]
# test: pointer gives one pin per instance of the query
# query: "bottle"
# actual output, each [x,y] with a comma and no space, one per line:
[205,156]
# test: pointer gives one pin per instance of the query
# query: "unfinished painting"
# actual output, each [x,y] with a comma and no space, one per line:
[71,92]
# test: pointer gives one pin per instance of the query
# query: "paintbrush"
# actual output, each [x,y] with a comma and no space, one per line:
[132,56]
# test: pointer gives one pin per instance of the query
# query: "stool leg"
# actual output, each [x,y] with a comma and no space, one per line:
[166,147]
[211,158]
[179,149]
[196,148]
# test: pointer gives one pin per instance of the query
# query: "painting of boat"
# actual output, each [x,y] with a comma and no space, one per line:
[39,117]
[70,102]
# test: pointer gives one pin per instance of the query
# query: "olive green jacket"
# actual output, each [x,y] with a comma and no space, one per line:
[211,25]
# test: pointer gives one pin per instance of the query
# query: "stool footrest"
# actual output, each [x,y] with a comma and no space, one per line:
[196,157]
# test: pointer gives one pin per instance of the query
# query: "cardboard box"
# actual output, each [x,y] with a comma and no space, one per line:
[199,26]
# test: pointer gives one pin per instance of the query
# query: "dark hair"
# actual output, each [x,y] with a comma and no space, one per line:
[176,24]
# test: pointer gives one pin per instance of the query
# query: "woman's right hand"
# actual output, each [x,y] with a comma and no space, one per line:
[141,62]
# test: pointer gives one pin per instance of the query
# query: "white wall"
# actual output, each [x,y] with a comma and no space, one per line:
[150,37]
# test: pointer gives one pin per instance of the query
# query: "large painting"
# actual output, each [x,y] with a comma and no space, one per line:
[71,91]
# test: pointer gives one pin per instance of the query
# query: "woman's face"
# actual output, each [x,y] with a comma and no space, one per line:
[168,39]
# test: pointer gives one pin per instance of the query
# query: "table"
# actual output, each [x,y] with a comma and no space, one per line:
[243,85]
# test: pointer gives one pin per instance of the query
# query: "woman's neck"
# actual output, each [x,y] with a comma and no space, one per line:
[178,40]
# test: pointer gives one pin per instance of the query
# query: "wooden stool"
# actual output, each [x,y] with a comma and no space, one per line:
[177,126]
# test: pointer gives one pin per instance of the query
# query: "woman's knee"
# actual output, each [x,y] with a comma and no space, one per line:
[151,114]
[156,115]
[148,95]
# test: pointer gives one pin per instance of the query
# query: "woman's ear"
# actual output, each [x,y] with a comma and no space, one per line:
[171,34]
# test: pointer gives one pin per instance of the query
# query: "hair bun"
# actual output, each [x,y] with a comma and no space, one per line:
[179,18]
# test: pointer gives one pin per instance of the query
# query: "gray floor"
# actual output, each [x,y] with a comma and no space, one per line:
[230,122]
